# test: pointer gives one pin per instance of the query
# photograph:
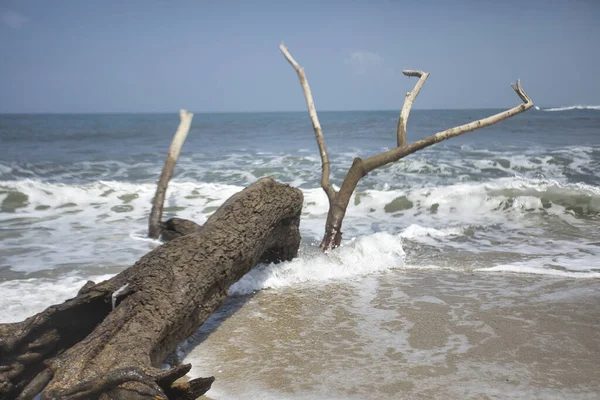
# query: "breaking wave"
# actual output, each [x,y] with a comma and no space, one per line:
[569,108]
[79,224]
[499,225]
[364,255]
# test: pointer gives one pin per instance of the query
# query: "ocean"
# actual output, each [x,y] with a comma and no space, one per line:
[469,269]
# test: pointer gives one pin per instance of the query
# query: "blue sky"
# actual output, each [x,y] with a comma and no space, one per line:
[159,56]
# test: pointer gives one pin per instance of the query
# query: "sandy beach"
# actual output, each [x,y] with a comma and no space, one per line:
[432,334]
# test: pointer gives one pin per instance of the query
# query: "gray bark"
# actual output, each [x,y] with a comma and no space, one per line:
[85,349]
[176,227]
[339,200]
[154,224]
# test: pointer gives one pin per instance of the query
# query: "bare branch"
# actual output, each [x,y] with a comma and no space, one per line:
[408,102]
[339,200]
[379,160]
[154,225]
[325,169]
[520,92]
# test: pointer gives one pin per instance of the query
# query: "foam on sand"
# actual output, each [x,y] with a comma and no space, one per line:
[362,256]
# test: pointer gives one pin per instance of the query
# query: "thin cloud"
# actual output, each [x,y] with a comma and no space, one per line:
[13,20]
[362,62]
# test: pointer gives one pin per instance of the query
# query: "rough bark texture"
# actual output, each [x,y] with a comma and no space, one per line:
[154,224]
[339,200]
[109,341]
[176,227]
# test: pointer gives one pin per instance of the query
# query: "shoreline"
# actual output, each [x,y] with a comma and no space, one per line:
[414,334]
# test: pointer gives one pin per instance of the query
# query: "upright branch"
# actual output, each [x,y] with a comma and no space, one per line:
[325,169]
[408,102]
[154,224]
[338,201]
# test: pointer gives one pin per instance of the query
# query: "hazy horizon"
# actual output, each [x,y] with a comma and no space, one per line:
[176,112]
[158,57]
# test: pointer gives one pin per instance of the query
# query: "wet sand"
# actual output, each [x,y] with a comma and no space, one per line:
[431,334]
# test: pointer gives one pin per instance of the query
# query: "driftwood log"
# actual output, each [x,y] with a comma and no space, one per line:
[339,199]
[110,340]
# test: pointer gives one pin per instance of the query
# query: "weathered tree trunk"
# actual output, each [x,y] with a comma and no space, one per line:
[176,227]
[338,205]
[109,341]
[154,223]
[339,200]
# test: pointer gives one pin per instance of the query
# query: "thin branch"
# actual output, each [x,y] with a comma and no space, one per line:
[379,160]
[154,226]
[520,92]
[408,102]
[325,169]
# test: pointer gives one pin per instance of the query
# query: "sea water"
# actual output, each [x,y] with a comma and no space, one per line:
[521,197]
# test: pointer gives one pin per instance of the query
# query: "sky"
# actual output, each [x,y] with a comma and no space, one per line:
[223,56]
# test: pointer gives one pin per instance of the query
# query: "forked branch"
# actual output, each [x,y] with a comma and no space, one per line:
[339,200]
[408,102]
[393,155]
[521,93]
[325,169]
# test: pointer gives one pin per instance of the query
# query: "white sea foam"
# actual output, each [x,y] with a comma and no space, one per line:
[429,167]
[503,201]
[361,256]
[539,270]
[415,231]
[25,297]
[62,225]
[575,107]
[364,255]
